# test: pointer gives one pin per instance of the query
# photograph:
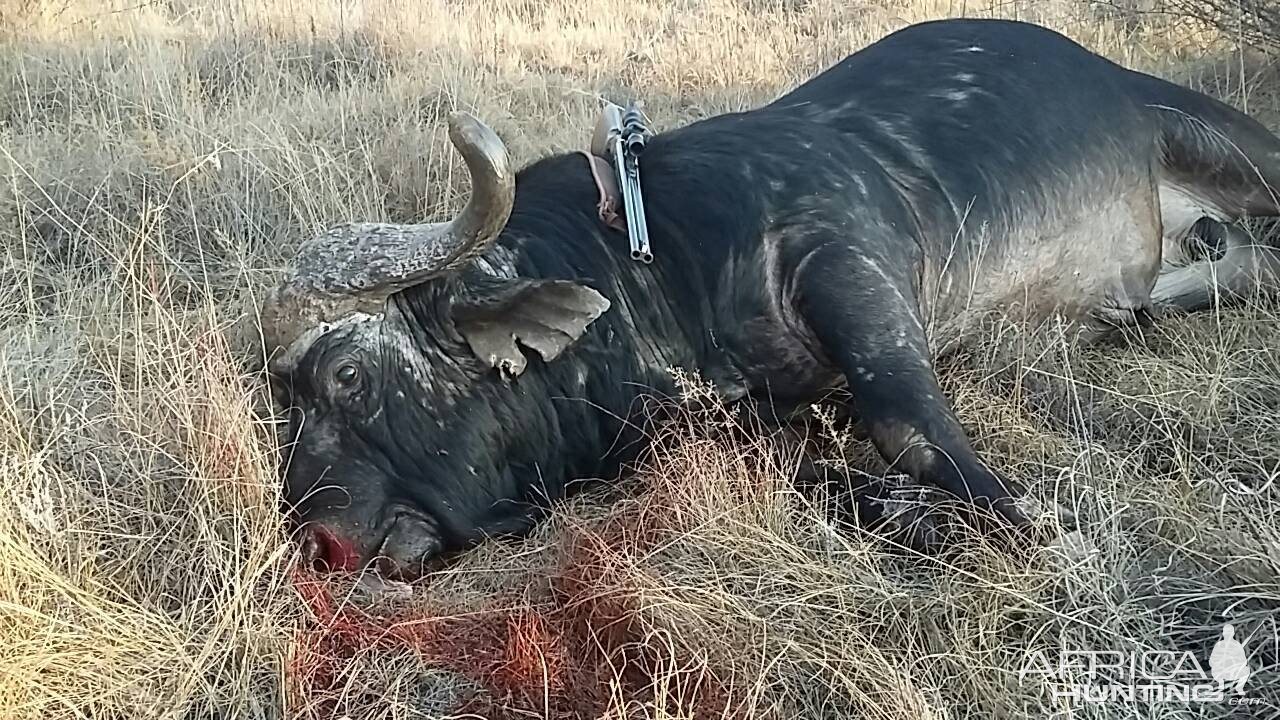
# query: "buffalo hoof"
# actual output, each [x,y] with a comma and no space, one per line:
[927,520]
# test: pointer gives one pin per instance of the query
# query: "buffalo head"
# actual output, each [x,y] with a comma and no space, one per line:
[395,353]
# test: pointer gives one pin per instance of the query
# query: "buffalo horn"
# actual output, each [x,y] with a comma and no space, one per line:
[350,270]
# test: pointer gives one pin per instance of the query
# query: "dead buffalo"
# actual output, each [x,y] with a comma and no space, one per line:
[447,380]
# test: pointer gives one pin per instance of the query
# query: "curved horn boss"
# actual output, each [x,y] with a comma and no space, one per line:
[353,268]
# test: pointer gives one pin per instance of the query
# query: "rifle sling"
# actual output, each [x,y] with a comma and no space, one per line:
[609,203]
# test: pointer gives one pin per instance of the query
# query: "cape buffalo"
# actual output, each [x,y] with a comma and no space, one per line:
[446,380]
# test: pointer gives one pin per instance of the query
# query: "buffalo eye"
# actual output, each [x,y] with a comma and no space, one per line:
[346,374]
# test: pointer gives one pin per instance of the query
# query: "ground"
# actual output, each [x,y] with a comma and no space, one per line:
[162,159]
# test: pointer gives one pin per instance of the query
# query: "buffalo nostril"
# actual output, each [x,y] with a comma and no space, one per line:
[322,549]
[309,550]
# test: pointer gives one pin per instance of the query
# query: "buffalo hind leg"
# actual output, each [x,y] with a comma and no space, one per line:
[1232,266]
[864,313]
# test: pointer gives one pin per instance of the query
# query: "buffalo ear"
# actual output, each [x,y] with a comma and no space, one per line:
[545,315]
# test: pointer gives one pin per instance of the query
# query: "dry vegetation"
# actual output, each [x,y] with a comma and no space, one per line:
[161,160]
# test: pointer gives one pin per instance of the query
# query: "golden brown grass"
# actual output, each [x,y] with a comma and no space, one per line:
[161,159]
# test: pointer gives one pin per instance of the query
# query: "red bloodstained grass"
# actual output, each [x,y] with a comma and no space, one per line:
[579,652]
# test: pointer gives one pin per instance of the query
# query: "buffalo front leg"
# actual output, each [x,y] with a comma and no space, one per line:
[892,507]
[864,313]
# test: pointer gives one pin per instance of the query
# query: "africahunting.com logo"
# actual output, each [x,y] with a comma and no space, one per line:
[1106,676]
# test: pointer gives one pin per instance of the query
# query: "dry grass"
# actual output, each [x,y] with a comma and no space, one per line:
[161,159]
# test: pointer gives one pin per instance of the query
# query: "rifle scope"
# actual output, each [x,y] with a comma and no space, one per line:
[634,132]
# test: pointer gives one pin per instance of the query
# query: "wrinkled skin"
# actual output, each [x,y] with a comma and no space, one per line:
[844,236]
[383,474]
